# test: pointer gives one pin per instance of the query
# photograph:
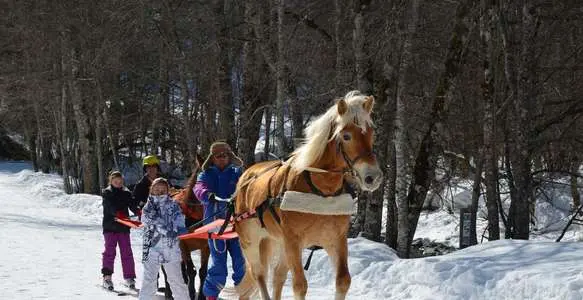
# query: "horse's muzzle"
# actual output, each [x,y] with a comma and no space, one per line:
[369,176]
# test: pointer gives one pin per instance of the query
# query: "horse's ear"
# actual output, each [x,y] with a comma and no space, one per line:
[342,107]
[368,103]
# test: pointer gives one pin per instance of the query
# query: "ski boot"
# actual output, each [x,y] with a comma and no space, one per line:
[107,283]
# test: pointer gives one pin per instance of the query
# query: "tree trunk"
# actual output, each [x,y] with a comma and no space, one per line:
[98,146]
[187,108]
[42,145]
[266,147]
[521,129]
[84,130]
[374,215]
[158,115]
[340,81]
[491,181]
[574,186]
[364,85]
[253,71]
[225,91]
[280,79]
[476,192]
[30,138]
[112,142]
[360,52]
[392,228]
[374,206]
[62,127]
[425,161]
[297,112]
[487,28]
[400,131]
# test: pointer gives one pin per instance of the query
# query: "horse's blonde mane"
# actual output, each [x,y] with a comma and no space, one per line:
[318,133]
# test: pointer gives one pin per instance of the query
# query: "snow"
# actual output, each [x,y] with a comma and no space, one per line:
[52,243]
[552,212]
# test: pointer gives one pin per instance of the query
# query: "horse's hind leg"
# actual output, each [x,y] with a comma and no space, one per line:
[339,256]
[293,254]
[259,260]
[257,251]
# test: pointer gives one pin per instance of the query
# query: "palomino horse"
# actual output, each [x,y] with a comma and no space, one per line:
[338,142]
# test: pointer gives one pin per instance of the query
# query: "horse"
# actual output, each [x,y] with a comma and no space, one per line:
[337,143]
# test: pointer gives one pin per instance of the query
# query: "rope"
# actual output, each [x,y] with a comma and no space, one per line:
[195,225]
[215,245]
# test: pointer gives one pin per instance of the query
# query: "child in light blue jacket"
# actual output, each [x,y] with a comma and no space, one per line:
[163,222]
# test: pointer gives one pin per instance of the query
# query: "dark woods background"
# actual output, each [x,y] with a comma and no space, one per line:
[483,90]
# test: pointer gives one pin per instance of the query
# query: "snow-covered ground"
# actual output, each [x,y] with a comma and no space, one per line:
[552,212]
[51,244]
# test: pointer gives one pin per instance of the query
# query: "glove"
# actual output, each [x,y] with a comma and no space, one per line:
[120,215]
[211,197]
[182,230]
[138,214]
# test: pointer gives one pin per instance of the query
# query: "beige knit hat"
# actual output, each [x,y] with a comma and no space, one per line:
[221,147]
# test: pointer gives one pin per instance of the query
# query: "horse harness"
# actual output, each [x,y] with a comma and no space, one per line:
[275,201]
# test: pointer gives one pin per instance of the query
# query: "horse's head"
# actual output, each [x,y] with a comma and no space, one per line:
[346,132]
[354,137]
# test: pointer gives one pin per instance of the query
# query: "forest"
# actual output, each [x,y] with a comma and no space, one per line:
[482,90]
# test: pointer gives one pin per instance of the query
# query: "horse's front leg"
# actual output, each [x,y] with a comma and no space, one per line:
[188,269]
[293,253]
[204,261]
[339,256]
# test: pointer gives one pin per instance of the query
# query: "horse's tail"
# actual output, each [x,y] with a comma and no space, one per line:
[246,289]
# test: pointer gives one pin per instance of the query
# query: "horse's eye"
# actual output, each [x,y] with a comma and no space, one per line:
[346,136]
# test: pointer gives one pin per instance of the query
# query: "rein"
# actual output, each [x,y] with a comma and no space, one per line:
[351,162]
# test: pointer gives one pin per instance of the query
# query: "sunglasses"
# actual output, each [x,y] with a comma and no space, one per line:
[221,155]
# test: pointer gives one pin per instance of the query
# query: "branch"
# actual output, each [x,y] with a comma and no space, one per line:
[572,110]
[311,24]
[542,171]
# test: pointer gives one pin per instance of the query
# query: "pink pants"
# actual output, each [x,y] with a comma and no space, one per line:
[112,239]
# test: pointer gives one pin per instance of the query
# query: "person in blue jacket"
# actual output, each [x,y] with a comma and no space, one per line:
[219,176]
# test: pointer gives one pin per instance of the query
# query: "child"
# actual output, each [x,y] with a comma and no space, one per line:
[151,168]
[163,222]
[116,201]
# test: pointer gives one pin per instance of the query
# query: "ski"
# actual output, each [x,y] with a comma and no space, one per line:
[132,292]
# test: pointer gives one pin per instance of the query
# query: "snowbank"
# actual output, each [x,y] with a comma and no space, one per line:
[506,269]
[49,188]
